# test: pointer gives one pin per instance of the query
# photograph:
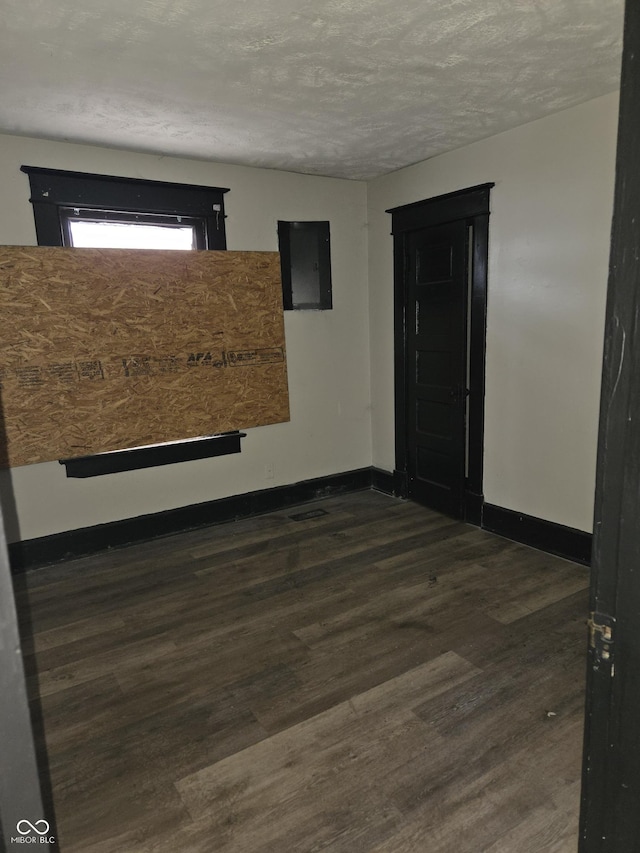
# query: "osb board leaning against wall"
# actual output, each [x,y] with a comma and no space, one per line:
[104,349]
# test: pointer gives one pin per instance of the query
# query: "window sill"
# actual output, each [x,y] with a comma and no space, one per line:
[154,455]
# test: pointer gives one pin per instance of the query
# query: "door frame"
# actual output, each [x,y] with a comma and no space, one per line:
[20,789]
[471,205]
[610,818]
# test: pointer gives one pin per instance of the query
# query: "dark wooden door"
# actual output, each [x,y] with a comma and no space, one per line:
[440,250]
[437,387]
[610,820]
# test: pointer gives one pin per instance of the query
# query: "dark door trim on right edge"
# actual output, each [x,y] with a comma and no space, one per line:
[610,817]
[471,205]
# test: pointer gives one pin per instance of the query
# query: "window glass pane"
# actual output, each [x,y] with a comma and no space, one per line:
[130,235]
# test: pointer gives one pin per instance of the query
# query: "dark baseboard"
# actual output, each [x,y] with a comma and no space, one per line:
[473,504]
[545,535]
[401,483]
[383,481]
[46,550]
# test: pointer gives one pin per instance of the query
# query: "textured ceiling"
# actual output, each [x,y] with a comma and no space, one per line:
[350,88]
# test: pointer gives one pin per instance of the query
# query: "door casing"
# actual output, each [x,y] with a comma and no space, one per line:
[610,817]
[470,205]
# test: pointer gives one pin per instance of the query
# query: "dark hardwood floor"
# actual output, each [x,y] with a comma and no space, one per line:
[379,679]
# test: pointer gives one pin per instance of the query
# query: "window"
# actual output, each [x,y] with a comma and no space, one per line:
[305,257]
[69,205]
[109,230]
[78,209]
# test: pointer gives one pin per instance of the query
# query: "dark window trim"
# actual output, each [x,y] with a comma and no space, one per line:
[150,457]
[52,189]
[55,195]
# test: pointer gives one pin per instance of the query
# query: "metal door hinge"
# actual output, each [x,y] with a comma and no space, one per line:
[601,637]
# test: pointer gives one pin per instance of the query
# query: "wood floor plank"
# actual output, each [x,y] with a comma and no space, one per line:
[101,665]
[75,631]
[295,774]
[554,830]
[379,679]
[467,807]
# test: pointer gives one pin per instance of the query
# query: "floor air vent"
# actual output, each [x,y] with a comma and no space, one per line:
[305,516]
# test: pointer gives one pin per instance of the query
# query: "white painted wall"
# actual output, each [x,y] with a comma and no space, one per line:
[328,353]
[549,246]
